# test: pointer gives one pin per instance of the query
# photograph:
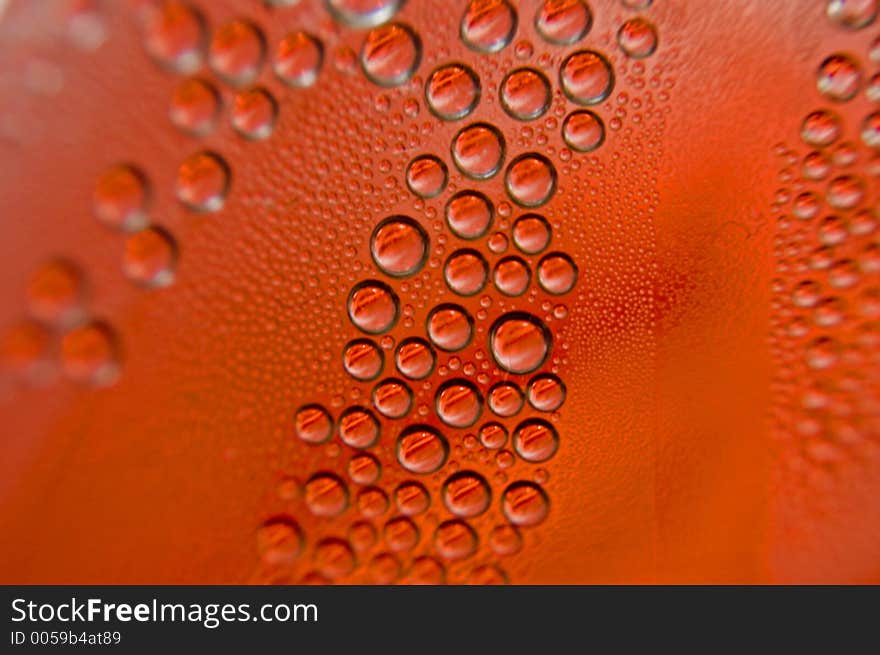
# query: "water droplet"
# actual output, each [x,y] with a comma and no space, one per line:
[455,539]
[458,403]
[411,498]
[364,469]
[334,558]
[399,246]
[373,307]
[391,54]
[195,107]
[493,435]
[150,258]
[505,540]
[313,424]
[530,180]
[425,570]
[546,392]
[280,541]
[531,233]
[298,59]
[326,495]
[845,192]
[525,94]
[525,503]
[535,440]
[469,214]
[384,569]
[363,13]
[363,359]
[421,449]
[25,351]
[415,358]
[175,36]
[583,131]
[358,428]
[253,113]
[203,182]
[586,77]
[820,128]
[488,25]
[505,399]
[520,342]
[121,198]
[815,166]
[90,354]
[637,38]
[372,502]
[56,294]
[466,494]
[511,276]
[237,51]
[401,534]
[839,78]
[452,91]
[466,272]
[497,243]
[851,14]
[637,5]
[392,398]
[822,353]
[563,22]
[426,176]
[450,327]
[478,150]
[557,274]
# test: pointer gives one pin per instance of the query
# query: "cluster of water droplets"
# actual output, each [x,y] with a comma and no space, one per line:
[826,293]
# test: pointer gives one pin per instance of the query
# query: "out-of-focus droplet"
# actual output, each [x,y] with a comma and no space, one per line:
[450,327]
[852,14]
[839,78]
[326,495]
[411,498]
[505,540]
[455,540]
[520,342]
[280,541]
[150,258]
[254,113]
[90,354]
[478,150]
[452,91]
[237,51]
[421,449]
[26,352]
[195,106]
[391,54]
[298,59]
[203,182]
[400,534]
[488,25]
[364,469]
[175,35]
[56,294]
[637,38]
[820,128]
[121,198]
[334,558]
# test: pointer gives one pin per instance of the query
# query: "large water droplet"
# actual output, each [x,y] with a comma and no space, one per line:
[546,392]
[637,38]
[586,77]
[203,182]
[175,35]
[563,22]
[466,272]
[520,342]
[452,91]
[421,449]
[411,498]
[852,14]
[392,398]
[557,273]
[450,327]
[363,360]
[455,540]
[415,358]
[326,495]
[313,424]
[150,258]
[583,131]
[358,428]
[505,399]
[466,494]
[530,180]
[839,78]
[237,51]
[364,468]
[525,94]
[373,307]
[426,176]
[56,294]
[511,276]
[195,106]
[531,233]
[253,113]
[399,246]
[535,440]
[820,128]
[458,403]
[488,25]
[334,558]
[280,541]
[469,214]
[478,150]
[525,503]
[298,59]
[391,54]
[121,198]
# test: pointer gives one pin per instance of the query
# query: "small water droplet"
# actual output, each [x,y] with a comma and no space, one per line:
[121,198]
[203,182]
[150,258]
[237,51]
[326,495]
